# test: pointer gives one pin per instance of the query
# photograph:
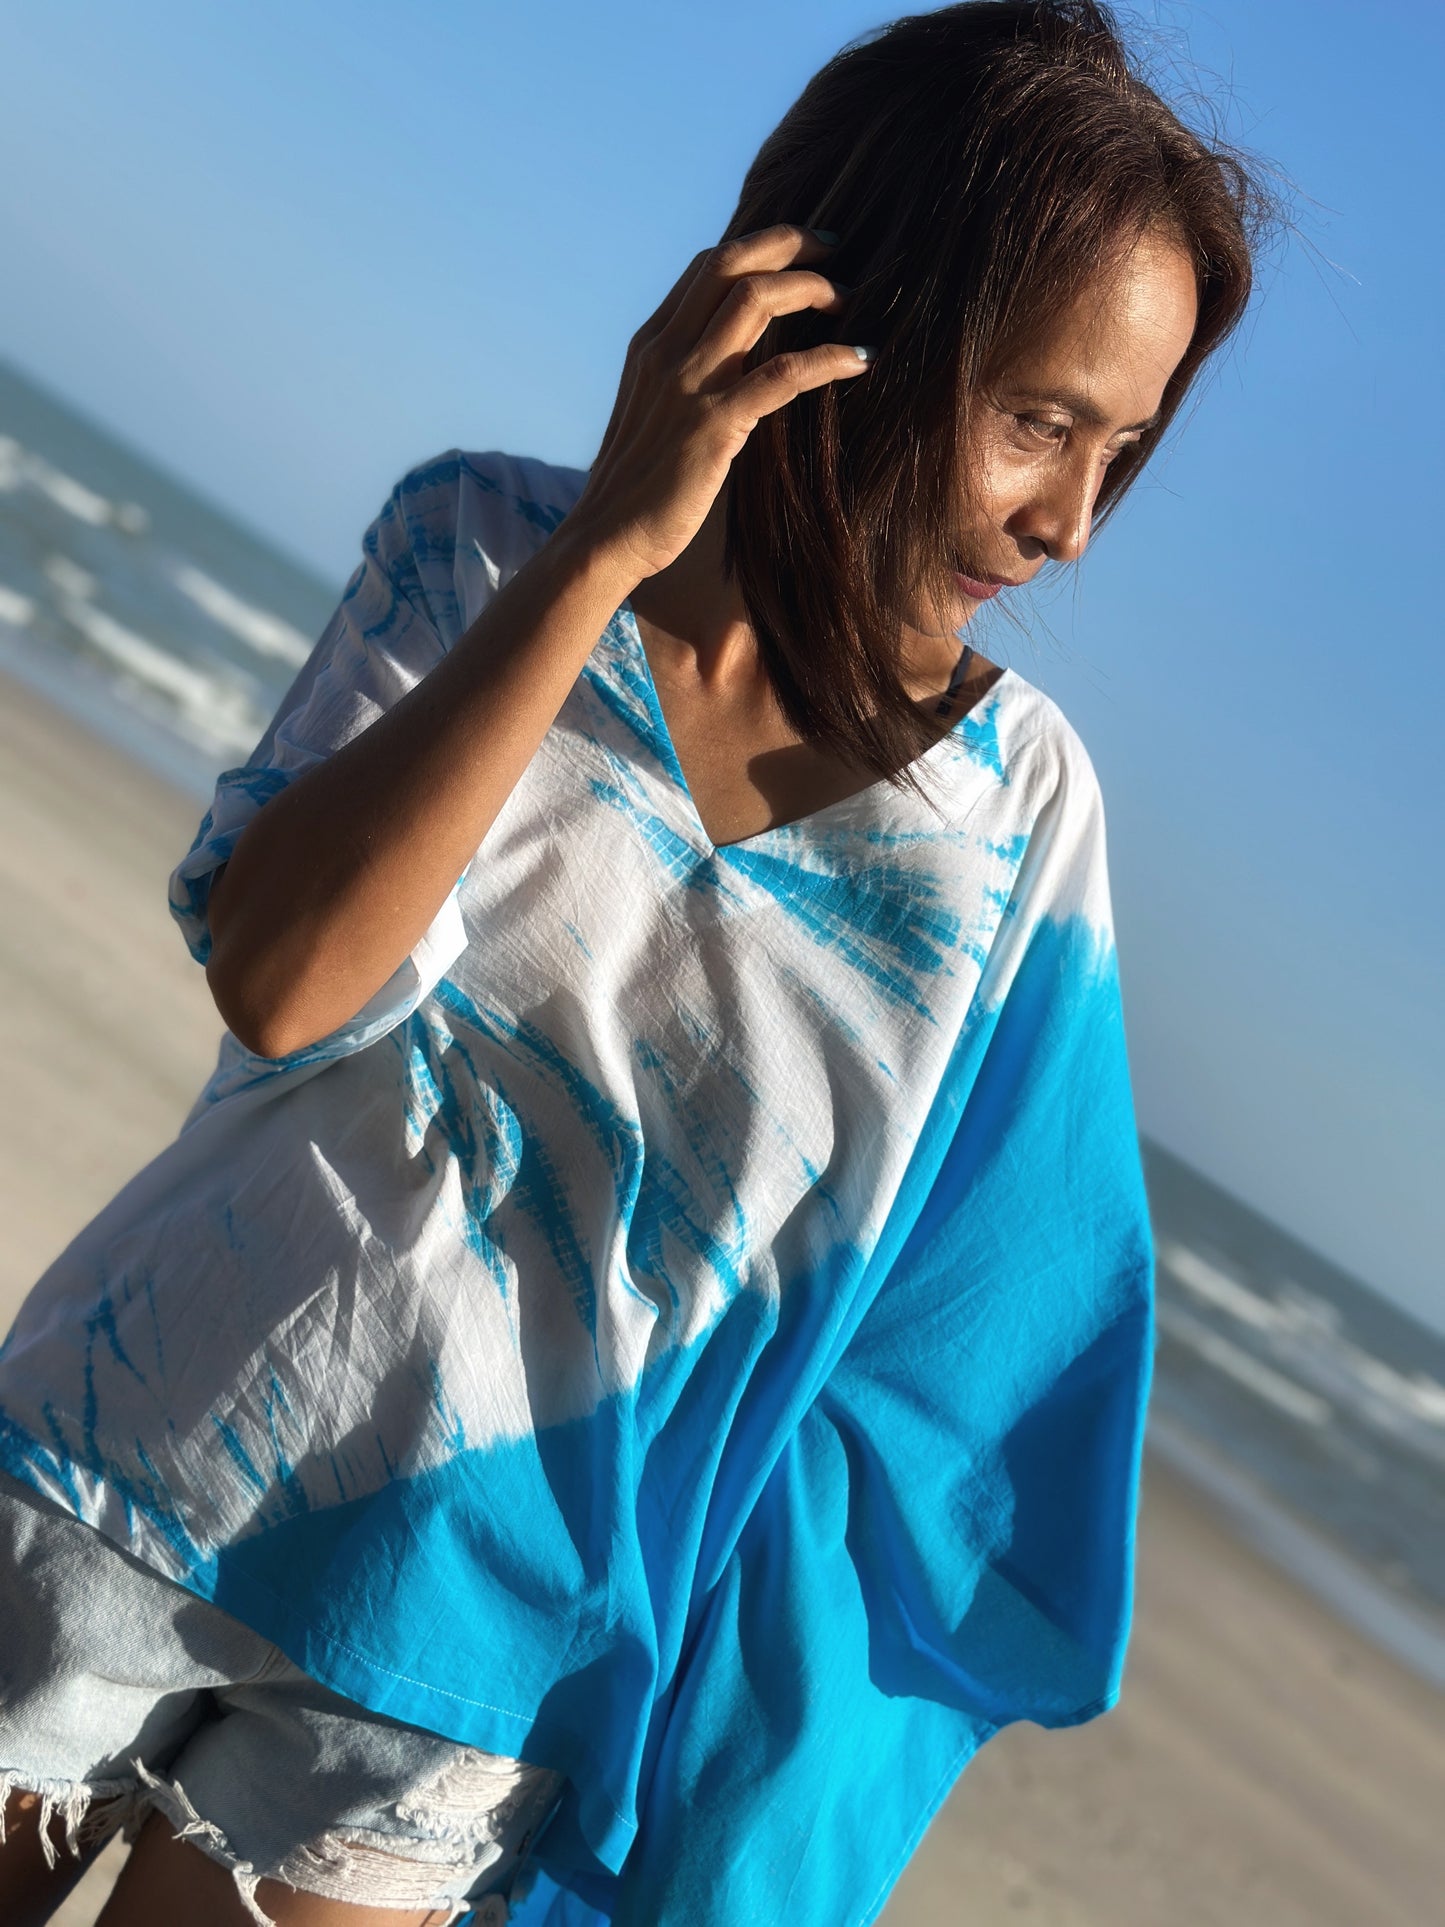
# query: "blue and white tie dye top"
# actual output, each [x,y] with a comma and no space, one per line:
[691,1329]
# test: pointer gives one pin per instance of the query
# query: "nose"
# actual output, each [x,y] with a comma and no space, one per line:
[1059,512]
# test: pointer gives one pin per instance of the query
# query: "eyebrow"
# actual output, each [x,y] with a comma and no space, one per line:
[1081,406]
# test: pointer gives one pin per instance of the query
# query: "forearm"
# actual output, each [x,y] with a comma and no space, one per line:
[336,879]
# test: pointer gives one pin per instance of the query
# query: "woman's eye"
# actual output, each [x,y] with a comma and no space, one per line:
[1043,429]
[1040,428]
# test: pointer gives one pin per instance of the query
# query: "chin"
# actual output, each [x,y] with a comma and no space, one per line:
[937,625]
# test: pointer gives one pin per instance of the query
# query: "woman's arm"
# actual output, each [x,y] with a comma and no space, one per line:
[338,877]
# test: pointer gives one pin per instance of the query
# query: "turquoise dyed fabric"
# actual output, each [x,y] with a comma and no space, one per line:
[692,1328]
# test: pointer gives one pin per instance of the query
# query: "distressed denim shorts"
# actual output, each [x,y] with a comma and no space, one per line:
[121,1691]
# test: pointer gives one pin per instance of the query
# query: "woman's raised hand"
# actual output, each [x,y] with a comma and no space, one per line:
[306,926]
[686,403]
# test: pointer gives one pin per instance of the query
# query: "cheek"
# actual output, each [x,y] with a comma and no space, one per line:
[997,485]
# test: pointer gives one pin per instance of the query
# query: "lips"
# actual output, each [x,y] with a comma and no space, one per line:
[982,588]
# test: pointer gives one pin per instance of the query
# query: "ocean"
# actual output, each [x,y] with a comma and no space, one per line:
[1308,1406]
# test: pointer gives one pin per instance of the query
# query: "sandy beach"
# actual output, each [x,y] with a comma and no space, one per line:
[1266,1766]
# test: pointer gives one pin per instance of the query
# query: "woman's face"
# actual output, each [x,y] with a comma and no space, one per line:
[1054,419]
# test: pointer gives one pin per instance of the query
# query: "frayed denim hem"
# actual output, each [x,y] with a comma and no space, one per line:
[91,1811]
[362,1867]
[168,1799]
[334,1867]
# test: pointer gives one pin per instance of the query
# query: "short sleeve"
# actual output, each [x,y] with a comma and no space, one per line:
[398,615]
[945,1543]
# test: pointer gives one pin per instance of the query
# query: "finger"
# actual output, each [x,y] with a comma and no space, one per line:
[747,309]
[788,375]
[765,252]
[668,306]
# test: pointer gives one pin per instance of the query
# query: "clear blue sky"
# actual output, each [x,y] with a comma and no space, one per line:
[289,249]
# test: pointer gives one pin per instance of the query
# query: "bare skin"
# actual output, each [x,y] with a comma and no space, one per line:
[1058,415]
[168,1880]
[336,879]
[1040,462]
[30,1889]
[163,1880]
[1052,423]
[746,768]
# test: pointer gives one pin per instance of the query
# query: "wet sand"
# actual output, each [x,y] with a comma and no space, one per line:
[1266,1767]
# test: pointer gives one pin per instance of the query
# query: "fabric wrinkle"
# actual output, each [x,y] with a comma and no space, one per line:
[698,1307]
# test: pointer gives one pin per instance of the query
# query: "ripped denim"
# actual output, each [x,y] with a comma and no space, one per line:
[121,1693]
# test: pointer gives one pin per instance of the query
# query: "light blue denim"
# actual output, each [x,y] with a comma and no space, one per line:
[121,1692]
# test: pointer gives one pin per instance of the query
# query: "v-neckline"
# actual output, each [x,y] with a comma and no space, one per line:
[673,762]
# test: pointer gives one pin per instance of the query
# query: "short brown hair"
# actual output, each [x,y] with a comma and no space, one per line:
[980,164]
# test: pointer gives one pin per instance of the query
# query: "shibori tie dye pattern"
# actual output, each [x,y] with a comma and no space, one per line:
[692,1328]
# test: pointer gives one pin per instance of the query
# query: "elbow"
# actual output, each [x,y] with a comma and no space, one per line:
[262,1022]
[259,1028]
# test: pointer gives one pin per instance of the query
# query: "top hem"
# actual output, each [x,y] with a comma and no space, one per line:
[605,1832]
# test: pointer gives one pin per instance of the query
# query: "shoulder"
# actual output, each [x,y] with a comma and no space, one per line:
[468,519]
[1049,799]
[1041,753]
[507,504]
[1021,765]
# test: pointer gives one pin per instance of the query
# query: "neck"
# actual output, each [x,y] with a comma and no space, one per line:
[691,606]
[691,609]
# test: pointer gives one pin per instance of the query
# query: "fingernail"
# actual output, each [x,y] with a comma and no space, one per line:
[841,287]
[825,235]
[864,354]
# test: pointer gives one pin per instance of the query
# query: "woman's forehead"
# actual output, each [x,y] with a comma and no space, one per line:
[1108,354]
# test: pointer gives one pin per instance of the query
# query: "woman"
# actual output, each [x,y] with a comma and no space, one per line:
[634,1366]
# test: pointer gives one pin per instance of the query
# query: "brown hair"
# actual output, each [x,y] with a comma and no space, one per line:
[980,163]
